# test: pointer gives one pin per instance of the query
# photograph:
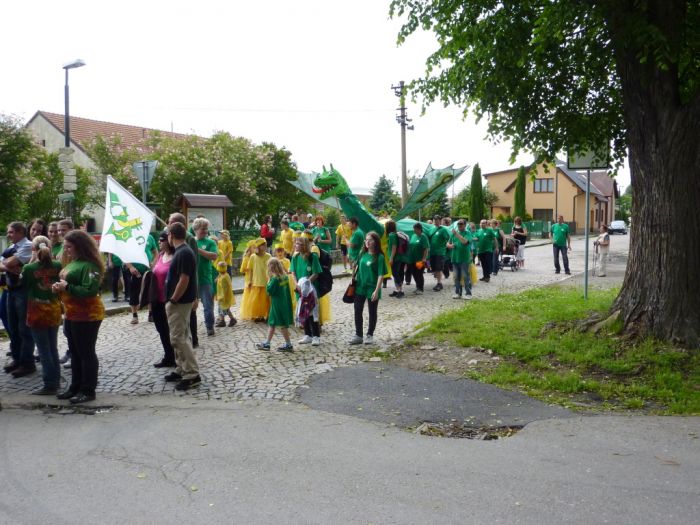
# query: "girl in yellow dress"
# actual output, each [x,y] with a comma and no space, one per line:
[245,270]
[226,249]
[286,264]
[324,303]
[259,301]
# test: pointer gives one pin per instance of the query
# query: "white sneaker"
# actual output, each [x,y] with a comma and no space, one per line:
[315,341]
[467,296]
[305,340]
[456,296]
[369,340]
[356,340]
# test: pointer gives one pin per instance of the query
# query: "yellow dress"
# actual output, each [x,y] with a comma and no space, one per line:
[226,251]
[286,263]
[258,300]
[324,303]
[224,291]
[245,300]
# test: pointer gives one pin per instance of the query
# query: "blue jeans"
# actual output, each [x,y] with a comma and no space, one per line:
[46,340]
[494,264]
[206,295]
[21,342]
[564,255]
[461,271]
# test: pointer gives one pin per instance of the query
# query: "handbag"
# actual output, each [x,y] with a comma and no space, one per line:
[349,295]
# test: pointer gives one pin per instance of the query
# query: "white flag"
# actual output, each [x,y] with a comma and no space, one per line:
[126,226]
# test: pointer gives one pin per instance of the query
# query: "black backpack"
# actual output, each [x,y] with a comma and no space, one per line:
[325,280]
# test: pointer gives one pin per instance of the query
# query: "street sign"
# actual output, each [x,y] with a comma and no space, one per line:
[144,170]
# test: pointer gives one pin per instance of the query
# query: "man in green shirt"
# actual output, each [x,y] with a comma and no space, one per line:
[561,243]
[460,244]
[438,250]
[486,246]
[357,239]
[207,251]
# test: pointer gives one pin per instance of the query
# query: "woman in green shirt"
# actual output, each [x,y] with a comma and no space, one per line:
[322,235]
[371,268]
[44,311]
[79,286]
[418,250]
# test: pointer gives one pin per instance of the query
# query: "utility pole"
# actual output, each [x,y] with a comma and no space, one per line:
[403,120]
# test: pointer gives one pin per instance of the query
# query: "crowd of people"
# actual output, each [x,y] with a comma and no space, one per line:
[53,274]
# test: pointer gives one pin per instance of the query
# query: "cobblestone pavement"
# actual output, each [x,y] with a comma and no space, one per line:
[232,368]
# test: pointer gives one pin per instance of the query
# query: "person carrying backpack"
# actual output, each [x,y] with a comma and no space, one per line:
[397,253]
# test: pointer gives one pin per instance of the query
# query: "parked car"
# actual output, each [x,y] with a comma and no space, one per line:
[617,227]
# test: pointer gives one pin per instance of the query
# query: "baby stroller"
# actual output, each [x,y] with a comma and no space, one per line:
[507,255]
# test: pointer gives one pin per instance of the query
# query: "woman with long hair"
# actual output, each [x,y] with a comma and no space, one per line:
[44,311]
[79,286]
[157,298]
[371,268]
[37,227]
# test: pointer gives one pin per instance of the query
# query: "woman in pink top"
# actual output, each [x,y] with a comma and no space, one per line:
[160,319]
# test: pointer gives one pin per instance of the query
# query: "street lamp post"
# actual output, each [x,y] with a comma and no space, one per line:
[75,64]
[403,120]
[65,157]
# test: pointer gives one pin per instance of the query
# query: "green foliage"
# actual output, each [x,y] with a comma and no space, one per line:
[519,206]
[543,351]
[476,197]
[624,206]
[332,217]
[439,207]
[253,176]
[30,178]
[17,155]
[384,197]
[462,203]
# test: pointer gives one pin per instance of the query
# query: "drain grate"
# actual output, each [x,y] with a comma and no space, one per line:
[455,430]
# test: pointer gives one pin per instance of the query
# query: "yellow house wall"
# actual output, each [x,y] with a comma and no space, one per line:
[567,199]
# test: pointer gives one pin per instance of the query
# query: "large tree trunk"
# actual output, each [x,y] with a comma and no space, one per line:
[660,295]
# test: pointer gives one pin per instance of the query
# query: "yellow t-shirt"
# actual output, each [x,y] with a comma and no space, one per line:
[343,233]
[286,240]
[226,251]
[258,269]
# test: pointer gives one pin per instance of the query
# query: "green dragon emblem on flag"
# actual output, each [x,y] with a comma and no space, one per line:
[122,227]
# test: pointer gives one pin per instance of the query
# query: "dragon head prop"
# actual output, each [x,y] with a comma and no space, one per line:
[330,183]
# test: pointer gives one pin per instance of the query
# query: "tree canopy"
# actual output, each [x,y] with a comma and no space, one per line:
[252,175]
[30,178]
[519,209]
[384,196]
[562,75]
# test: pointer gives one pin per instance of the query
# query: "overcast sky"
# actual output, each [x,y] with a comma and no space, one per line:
[313,76]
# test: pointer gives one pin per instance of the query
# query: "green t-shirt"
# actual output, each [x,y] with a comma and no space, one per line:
[296,226]
[356,242]
[461,253]
[38,280]
[151,245]
[204,273]
[438,242]
[417,246]
[484,240]
[322,233]
[302,267]
[393,240]
[369,270]
[116,261]
[559,234]
[56,250]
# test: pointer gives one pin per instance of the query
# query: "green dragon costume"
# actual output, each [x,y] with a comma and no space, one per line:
[330,183]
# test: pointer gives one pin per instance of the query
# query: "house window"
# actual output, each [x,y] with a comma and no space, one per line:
[542,215]
[544,186]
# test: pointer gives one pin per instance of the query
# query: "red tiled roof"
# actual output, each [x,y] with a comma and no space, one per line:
[83,131]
